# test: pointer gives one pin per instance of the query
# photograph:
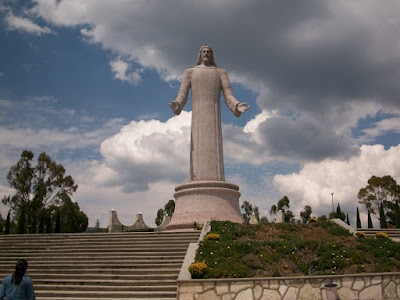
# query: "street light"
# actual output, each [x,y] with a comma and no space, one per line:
[333,208]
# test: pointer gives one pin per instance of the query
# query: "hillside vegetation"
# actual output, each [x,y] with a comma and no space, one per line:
[232,250]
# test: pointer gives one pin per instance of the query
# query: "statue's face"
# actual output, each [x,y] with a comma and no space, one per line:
[205,55]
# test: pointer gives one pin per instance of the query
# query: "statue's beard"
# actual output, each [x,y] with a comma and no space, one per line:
[206,60]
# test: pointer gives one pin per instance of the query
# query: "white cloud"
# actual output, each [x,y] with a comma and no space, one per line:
[121,71]
[24,24]
[145,152]
[314,184]
[383,127]
[55,139]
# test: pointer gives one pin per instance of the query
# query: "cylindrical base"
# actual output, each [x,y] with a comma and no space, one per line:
[201,201]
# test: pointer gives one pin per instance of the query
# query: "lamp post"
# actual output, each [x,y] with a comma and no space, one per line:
[333,208]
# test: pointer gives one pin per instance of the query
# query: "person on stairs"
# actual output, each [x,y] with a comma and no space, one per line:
[17,286]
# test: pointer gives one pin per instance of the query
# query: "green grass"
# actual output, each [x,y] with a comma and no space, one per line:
[288,249]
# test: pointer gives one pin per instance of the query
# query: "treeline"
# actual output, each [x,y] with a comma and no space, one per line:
[41,202]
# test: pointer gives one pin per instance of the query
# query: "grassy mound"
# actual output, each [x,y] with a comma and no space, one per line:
[320,248]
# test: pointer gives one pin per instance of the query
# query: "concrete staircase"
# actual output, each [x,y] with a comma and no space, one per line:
[394,234]
[99,266]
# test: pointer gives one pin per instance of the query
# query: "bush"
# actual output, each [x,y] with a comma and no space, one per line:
[338,230]
[197,270]
[381,235]
[360,234]
[312,220]
[211,236]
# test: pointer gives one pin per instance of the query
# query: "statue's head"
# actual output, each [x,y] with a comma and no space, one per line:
[205,55]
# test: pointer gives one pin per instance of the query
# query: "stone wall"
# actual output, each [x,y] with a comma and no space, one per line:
[377,286]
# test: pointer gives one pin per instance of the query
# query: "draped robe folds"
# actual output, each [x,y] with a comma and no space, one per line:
[206,154]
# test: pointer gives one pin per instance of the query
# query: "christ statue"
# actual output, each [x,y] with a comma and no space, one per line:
[206,82]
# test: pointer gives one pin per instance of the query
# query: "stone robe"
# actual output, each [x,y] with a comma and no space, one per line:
[206,154]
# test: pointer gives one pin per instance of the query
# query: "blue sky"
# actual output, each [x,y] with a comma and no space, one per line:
[88,83]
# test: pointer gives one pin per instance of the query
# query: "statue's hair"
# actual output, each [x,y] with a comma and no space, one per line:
[212,62]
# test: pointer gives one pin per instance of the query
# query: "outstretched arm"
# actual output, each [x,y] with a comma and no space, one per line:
[234,105]
[181,99]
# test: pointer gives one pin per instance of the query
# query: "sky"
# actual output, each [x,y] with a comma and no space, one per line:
[89,81]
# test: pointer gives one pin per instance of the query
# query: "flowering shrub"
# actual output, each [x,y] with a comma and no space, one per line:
[312,220]
[360,234]
[197,270]
[212,236]
[381,235]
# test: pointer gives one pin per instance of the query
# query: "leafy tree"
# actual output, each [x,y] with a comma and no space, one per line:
[38,190]
[382,217]
[370,225]
[159,217]
[289,217]
[358,219]
[283,205]
[264,220]
[248,211]
[74,220]
[380,190]
[306,213]
[169,209]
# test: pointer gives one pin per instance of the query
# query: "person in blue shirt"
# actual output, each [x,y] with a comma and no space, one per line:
[18,286]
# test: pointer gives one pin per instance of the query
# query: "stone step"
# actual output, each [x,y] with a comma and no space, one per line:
[102,242]
[105,294]
[79,276]
[150,264]
[95,255]
[66,287]
[102,270]
[28,238]
[99,266]
[23,252]
[103,282]
[122,245]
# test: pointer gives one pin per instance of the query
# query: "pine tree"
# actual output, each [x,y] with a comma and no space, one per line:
[1,224]
[358,219]
[41,223]
[21,221]
[370,220]
[8,222]
[382,217]
[57,227]
[48,225]
[397,215]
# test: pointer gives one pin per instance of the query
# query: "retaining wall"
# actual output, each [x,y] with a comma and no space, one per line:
[376,286]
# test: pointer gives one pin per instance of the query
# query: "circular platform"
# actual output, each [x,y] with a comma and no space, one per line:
[201,201]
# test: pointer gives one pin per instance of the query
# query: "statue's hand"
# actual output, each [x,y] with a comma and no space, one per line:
[242,107]
[174,105]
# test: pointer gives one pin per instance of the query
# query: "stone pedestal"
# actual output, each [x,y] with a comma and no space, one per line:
[201,201]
